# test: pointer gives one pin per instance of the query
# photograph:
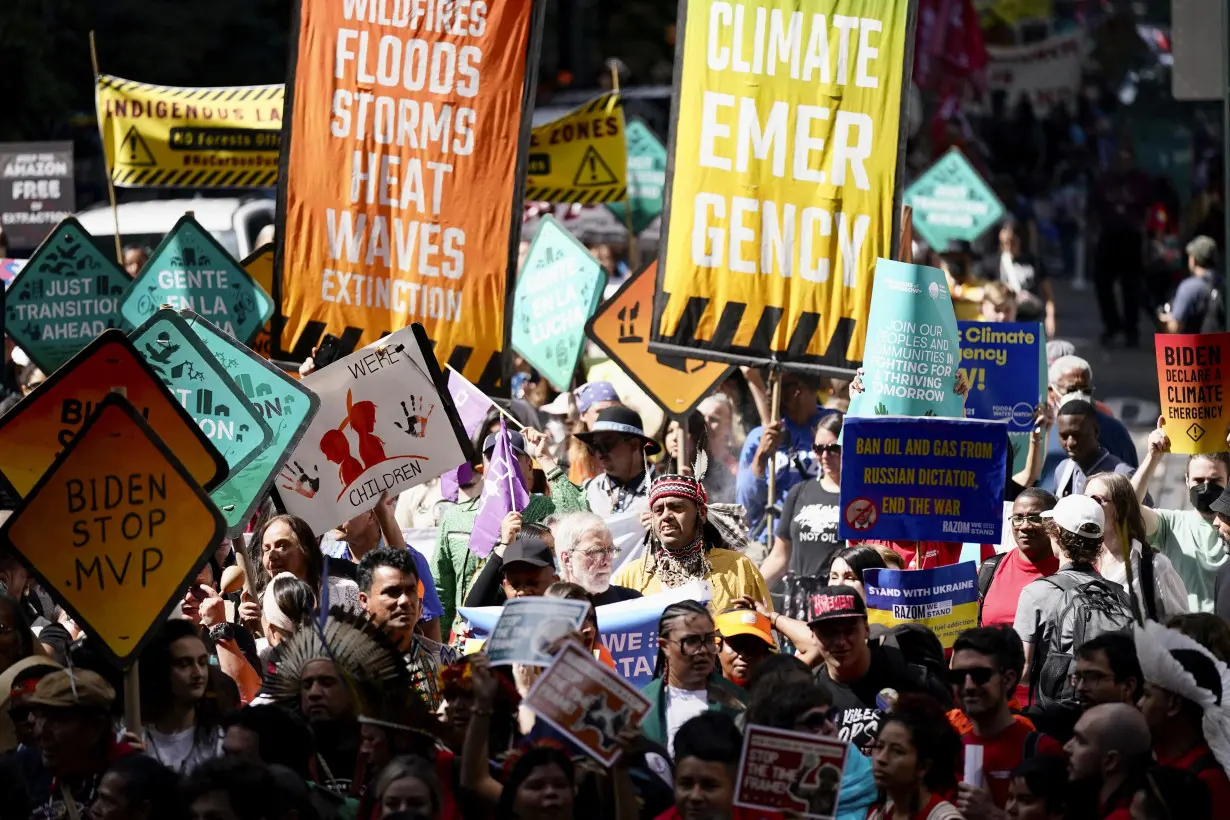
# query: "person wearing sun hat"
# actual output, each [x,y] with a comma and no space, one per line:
[617,439]
[1186,705]
[684,547]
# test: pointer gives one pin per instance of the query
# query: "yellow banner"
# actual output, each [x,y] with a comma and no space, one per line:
[782,193]
[581,157]
[160,136]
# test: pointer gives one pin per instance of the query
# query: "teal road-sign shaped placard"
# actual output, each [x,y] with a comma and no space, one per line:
[952,202]
[204,388]
[65,296]
[558,289]
[190,270]
[286,405]
[646,177]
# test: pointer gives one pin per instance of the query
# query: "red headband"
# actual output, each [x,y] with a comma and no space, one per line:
[679,486]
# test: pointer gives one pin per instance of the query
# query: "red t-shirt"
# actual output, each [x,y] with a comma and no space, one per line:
[1005,751]
[1212,775]
[736,813]
[934,553]
[1011,576]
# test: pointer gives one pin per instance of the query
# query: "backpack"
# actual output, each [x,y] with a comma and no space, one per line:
[1090,606]
[917,656]
[1214,320]
[986,574]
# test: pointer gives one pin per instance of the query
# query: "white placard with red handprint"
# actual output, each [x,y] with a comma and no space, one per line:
[384,425]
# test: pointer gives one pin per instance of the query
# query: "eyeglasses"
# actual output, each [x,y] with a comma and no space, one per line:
[980,675]
[823,449]
[815,720]
[599,555]
[1090,677]
[1019,520]
[692,645]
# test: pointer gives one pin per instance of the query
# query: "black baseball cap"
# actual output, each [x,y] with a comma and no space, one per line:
[531,550]
[1222,503]
[831,603]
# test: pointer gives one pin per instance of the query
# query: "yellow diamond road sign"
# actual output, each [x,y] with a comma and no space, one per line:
[116,529]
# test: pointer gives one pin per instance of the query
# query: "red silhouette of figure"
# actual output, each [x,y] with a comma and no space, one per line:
[336,448]
[363,420]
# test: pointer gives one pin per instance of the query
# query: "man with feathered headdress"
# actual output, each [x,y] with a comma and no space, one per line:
[1187,706]
[685,546]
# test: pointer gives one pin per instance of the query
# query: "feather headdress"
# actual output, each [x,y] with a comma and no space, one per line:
[1172,661]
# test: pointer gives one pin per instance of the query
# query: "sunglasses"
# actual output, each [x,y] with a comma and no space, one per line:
[606,447]
[823,449]
[816,720]
[980,675]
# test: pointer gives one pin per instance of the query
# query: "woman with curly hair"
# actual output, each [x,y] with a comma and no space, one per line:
[914,762]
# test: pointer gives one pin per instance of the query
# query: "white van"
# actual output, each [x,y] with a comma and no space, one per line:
[233,221]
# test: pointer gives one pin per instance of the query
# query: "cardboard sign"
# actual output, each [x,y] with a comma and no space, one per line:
[621,328]
[286,406]
[922,479]
[580,157]
[790,771]
[386,423]
[1005,365]
[37,190]
[557,291]
[204,387]
[943,599]
[259,265]
[161,136]
[380,230]
[66,295]
[189,270]
[646,177]
[952,202]
[782,190]
[586,701]
[1047,72]
[116,529]
[912,346]
[1192,373]
[33,434]
[529,626]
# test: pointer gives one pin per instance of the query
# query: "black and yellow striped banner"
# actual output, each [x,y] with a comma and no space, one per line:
[580,157]
[160,136]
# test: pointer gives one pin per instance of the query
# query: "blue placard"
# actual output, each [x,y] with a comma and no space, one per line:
[922,479]
[944,599]
[1000,360]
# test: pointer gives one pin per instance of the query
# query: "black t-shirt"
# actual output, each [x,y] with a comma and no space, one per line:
[859,719]
[809,523]
[613,595]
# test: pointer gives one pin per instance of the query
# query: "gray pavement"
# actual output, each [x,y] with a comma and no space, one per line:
[1125,379]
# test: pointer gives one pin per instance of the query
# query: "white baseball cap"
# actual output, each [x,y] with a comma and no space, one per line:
[1079,515]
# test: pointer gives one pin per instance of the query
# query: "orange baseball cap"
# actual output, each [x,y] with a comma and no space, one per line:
[745,622]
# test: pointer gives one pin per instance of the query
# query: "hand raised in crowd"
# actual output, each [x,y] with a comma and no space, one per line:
[212,608]
[250,613]
[976,803]
[647,519]
[1044,416]
[1159,442]
[536,443]
[510,528]
[628,740]
[856,384]
[961,388]
[309,365]
[483,681]
[769,441]
[747,603]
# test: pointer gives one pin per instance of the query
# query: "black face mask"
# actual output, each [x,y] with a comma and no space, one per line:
[1203,496]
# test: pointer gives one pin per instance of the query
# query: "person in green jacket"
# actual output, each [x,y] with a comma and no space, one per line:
[684,684]
[456,566]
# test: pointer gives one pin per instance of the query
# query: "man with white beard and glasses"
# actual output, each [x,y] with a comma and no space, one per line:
[586,553]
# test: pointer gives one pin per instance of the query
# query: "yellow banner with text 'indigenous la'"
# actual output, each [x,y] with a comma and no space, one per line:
[783,186]
[162,136]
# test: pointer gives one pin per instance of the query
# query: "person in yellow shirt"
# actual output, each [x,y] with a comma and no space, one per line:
[685,547]
[963,284]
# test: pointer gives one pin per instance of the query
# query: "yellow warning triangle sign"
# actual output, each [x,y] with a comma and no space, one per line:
[133,150]
[594,171]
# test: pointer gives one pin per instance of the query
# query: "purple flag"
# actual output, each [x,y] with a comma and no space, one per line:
[451,482]
[472,404]
[503,492]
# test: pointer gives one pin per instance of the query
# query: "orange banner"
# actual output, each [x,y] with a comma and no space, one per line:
[401,174]
[1193,371]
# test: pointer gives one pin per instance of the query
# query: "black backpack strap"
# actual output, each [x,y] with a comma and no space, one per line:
[1147,586]
[1030,748]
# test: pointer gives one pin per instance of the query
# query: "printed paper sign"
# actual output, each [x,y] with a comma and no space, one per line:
[621,328]
[164,136]
[401,174]
[912,347]
[116,530]
[385,424]
[1001,363]
[529,626]
[943,599]
[646,177]
[285,405]
[204,387]
[952,202]
[35,432]
[782,191]
[1192,372]
[189,270]
[557,291]
[580,157]
[37,190]
[65,296]
[790,771]
[925,479]
[586,701]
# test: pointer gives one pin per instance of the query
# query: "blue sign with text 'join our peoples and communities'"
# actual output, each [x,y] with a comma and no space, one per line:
[922,479]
